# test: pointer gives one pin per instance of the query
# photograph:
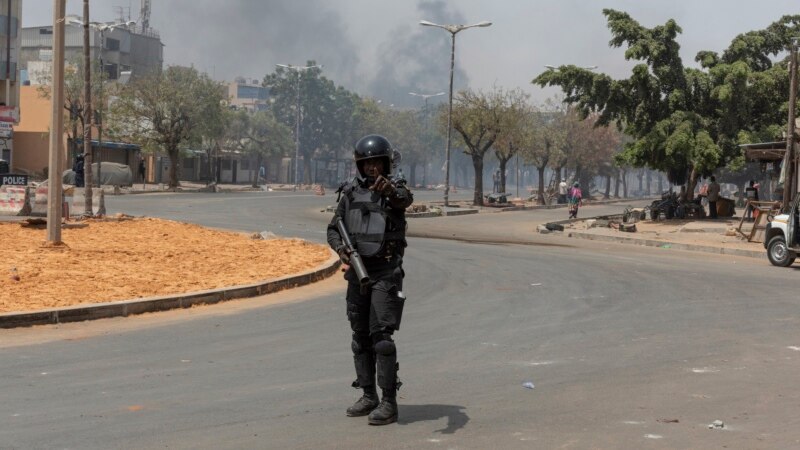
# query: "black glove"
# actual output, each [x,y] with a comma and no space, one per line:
[344,255]
[384,186]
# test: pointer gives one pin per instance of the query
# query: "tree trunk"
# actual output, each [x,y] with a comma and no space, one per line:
[502,187]
[425,175]
[174,157]
[607,195]
[541,185]
[691,183]
[412,177]
[649,182]
[258,170]
[640,176]
[624,183]
[660,183]
[616,185]
[477,163]
[306,169]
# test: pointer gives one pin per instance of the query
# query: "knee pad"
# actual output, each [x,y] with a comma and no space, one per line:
[385,345]
[361,344]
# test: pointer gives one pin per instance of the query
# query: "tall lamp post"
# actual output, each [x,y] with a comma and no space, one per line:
[299,70]
[54,192]
[453,30]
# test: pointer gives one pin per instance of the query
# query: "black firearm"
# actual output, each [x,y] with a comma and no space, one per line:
[355,258]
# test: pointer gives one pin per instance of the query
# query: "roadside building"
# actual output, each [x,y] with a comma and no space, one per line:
[125,51]
[10,32]
[248,94]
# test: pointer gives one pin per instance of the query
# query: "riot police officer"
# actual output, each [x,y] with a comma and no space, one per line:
[372,207]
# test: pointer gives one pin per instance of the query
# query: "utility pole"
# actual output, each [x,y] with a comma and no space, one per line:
[87,113]
[54,192]
[789,183]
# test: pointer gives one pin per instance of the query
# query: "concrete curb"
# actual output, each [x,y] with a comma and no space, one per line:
[671,245]
[125,308]
[499,209]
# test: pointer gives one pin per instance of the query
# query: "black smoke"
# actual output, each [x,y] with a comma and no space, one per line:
[417,59]
[248,37]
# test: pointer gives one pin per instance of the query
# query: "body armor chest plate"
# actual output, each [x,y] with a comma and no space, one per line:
[366,221]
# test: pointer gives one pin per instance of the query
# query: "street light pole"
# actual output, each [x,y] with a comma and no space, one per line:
[299,70]
[54,200]
[87,113]
[453,30]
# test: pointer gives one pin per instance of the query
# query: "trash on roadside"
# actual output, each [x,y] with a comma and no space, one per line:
[14,275]
[536,284]
[666,246]
[730,232]
[716,425]
[528,385]
[554,227]
[263,236]
[668,421]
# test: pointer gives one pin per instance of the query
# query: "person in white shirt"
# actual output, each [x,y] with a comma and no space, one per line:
[562,192]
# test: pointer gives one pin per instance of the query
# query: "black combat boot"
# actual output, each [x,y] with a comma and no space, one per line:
[364,405]
[386,412]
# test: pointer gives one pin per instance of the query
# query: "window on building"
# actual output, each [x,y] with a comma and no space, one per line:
[45,31]
[244,164]
[112,44]
[226,164]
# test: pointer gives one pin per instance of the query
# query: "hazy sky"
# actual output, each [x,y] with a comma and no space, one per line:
[376,47]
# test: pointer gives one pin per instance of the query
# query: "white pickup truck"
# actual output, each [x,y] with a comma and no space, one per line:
[781,239]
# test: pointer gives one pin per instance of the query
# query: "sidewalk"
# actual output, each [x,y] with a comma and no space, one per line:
[188,186]
[711,236]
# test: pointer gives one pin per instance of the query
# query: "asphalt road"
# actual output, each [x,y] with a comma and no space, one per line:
[627,347]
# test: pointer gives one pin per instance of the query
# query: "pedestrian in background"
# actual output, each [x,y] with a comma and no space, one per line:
[78,169]
[751,194]
[496,181]
[575,200]
[713,197]
[562,192]
[142,170]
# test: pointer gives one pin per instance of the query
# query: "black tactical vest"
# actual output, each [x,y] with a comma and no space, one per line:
[370,221]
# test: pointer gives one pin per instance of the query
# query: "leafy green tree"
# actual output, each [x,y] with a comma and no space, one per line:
[166,110]
[684,121]
[321,104]
[75,117]
[479,119]
[508,143]
[258,134]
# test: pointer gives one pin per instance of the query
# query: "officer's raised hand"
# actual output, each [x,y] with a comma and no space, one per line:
[384,186]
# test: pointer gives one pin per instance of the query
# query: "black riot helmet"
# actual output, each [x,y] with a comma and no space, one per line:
[373,146]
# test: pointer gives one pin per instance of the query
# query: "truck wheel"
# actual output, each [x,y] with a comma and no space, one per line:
[778,253]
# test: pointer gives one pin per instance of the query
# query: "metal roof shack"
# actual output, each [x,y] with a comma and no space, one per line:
[764,151]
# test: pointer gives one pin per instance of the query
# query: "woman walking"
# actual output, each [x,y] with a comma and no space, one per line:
[575,200]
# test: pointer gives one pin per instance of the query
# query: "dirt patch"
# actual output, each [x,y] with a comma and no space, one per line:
[121,260]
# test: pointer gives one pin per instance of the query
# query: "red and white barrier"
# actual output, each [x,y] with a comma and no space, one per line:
[14,201]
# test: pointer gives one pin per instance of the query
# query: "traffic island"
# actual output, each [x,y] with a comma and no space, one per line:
[127,266]
[708,236]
